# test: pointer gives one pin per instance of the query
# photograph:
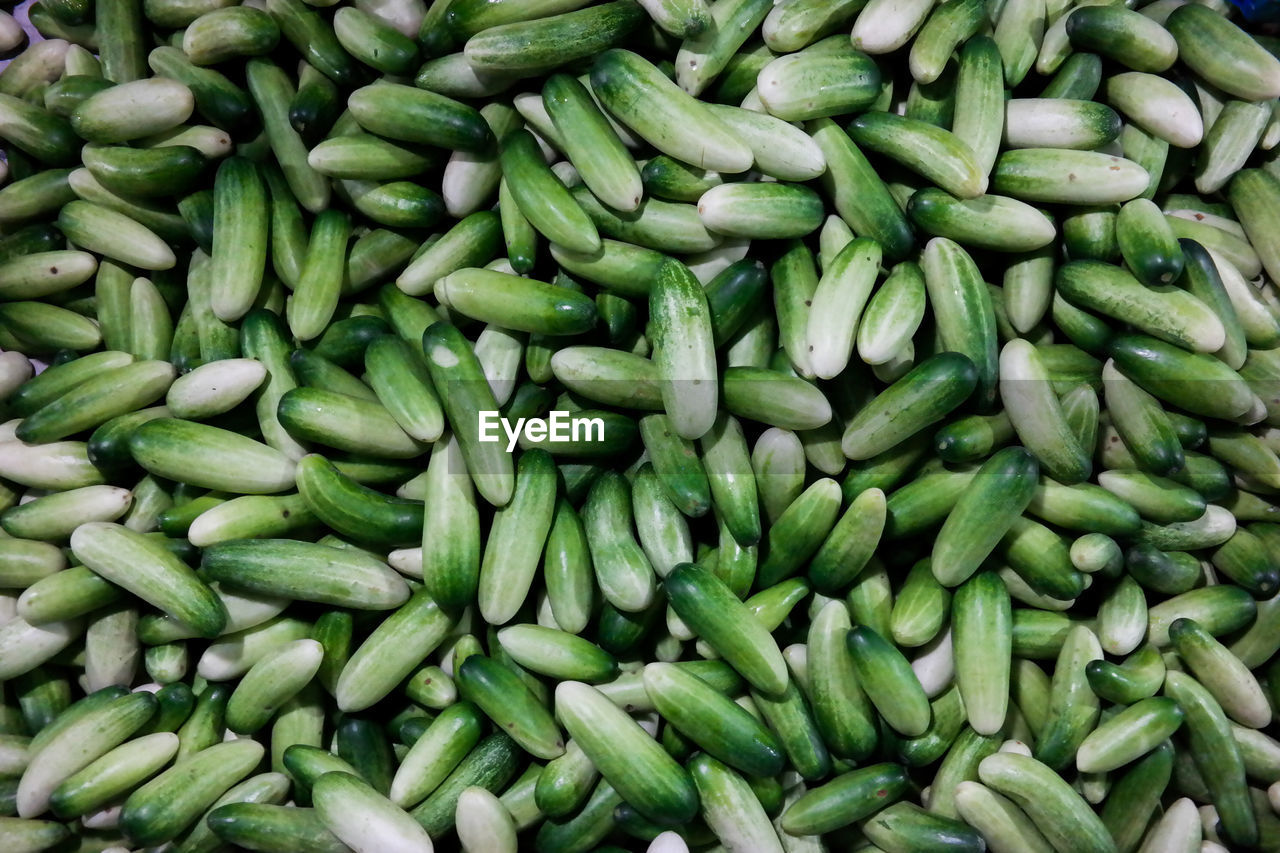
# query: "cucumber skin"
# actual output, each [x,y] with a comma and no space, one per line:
[1008,480]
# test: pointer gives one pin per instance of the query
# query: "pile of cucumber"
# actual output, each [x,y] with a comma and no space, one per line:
[668,425]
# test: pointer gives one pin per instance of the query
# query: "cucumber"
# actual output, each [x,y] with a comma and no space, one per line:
[375,41]
[461,19]
[703,55]
[270,683]
[964,308]
[171,802]
[1218,671]
[712,721]
[1001,822]
[82,739]
[1178,377]
[884,27]
[266,827]
[622,570]
[717,616]
[1122,618]
[1062,176]
[983,514]
[1181,827]
[1157,106]
[556,653]
[841,711]
[892,315]
[654,224]
[684,351]
[547,42]
[306,571]
[907,826]
[790,717]
[858,194]
[924,396]
[731,807]
[362,817]
[114,773]
[132,110]
[590,825]
[516,303]
[216,97]
[74,592]
[1128,37]
[774,210]
[1216,756]
[848,798]
[988,222]
[354,510]
[214,388]
[1253,194]
[542,197]
[919,609]
[1059,123]
[1065,819]
[1218,609]
[504,582]
[1135,796]
[936,154]
[645,101]
[391,652]
[679,18]
[816,84]
[668,178]
[848,548]
[1224,55]
[594,148]
[1147,243]
[888,681]
[148,570]
[144,172]
[735,496]
[97,400]
[781,150]
[365,745]
[1073,708]
[501,695]
[628,758]
[960,766]
[223,33]
[982,625]
[472,242]
[484,822]
[319,284]
[565,782]
[459,379]
[363,156]
[838,302]
[116,235]
[409,114]
[1019,29]
[1142,424]
[948,27]
[1128,735]
[24,562]
[211,457]
[1228,143]
[799,531]
[444,744]
[1037,415]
